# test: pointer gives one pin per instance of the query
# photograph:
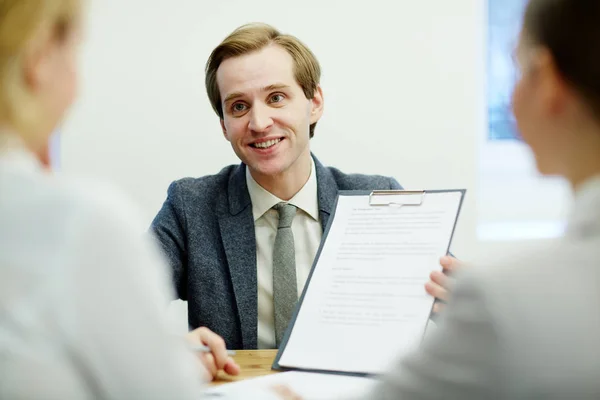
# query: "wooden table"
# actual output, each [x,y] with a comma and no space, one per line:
[253,363]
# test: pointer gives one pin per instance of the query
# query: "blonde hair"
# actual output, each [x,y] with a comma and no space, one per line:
[254,37]
[22,24]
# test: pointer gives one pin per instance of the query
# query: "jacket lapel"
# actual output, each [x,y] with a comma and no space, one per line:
[237,232]
[327,191]
[236,224]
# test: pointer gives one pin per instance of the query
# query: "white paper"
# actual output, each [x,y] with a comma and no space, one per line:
[309,386]
[366,303]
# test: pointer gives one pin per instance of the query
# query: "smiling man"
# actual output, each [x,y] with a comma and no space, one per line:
[241,243]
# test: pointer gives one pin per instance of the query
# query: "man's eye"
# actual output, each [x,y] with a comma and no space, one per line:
[238,107]
[276,98]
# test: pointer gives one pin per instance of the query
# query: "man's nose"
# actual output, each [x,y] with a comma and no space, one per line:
[260,118]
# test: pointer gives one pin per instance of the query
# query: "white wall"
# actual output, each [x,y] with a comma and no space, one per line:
[403,85]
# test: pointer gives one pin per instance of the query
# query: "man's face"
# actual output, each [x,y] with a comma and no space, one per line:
[266,116]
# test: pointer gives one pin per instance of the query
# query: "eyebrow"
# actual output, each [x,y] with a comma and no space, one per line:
[236,95]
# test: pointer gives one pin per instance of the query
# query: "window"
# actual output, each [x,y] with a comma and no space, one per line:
[504,19]
[514,201]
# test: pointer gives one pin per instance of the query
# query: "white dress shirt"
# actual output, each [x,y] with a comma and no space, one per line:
[307,231]
[83,294]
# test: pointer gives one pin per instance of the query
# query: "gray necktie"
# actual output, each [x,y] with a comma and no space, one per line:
[285,291]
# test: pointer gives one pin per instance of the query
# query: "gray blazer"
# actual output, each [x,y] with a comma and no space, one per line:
[524,327]
[206,229]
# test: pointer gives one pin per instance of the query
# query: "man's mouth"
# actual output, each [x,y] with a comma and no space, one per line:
[267,144]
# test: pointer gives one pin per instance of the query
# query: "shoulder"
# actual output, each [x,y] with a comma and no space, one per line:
[356,181]
[107,230]
[523,282]
[535,300]
[98,205]
[202,188]
[81,224]
[526,260]
[66,218]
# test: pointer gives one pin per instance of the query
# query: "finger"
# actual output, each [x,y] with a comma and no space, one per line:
[231,367]
[438,308]
[440,278]
[209,363]
[216,345]
[436,291]
[449,263]
[196,336]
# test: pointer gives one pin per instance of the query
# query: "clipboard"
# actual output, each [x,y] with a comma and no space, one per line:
[377,198]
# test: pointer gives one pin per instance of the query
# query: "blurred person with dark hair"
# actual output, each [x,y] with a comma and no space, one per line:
[527,326]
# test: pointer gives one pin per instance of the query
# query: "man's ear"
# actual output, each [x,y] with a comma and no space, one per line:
[224,129]
[317,105]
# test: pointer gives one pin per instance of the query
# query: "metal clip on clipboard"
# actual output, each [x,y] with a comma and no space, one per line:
[396,198]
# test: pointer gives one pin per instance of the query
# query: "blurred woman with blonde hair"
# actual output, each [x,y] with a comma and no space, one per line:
[82,295]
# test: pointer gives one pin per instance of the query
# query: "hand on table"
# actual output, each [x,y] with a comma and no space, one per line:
[217,359]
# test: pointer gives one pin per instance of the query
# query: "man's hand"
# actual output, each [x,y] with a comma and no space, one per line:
[440,283]
[217,359]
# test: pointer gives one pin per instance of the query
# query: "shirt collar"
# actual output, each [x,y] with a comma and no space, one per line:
[306,199]
[585,214]
[14,154]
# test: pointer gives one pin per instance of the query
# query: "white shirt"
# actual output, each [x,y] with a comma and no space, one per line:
[307,231]
[82,295]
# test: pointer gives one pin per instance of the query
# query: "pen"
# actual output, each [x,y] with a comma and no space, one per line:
[205,349]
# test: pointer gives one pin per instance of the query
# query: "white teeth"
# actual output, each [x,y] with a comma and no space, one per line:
[267,144]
